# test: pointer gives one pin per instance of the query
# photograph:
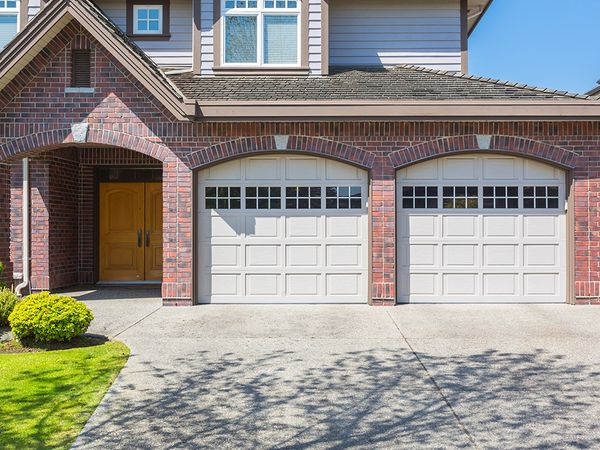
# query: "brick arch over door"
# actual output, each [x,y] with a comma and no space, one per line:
[269,144]
[36,142]
[493,143]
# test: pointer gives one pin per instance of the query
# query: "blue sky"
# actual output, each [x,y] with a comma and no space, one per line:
[547,43]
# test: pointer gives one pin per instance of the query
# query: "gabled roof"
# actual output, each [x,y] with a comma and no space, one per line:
[395,83]
[594,92]
[57,14]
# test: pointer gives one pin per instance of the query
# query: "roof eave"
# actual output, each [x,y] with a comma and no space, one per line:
[455,110]
[486,7]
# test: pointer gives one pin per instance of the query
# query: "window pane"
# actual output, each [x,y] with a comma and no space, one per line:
[153,25]
[8,29]
[280,39]
[142,13]
[142,25]
[240,39]
[153,14]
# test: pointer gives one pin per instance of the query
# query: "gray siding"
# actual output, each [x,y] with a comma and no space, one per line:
[207,56]
[32,9]
[177,51]
[391,32]
[314,36]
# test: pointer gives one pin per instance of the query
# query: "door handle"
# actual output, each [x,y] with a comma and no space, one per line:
[139,238]
[147,238]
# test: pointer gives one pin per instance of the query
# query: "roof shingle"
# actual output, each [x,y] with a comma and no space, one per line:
[397,83]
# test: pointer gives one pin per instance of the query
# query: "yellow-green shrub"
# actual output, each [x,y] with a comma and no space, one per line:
[45,317]
[8,300]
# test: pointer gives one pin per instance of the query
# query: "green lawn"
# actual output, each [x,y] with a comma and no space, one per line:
[46,397]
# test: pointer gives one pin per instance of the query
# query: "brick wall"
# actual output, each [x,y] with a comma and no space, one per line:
[121,112]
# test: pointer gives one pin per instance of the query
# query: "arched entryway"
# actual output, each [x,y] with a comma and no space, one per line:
[481,227]
[83,218]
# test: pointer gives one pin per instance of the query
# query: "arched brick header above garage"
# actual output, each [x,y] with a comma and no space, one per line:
[90,136]
[281,143]
[493,143]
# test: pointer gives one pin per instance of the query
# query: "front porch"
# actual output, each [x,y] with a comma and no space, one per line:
[96,216]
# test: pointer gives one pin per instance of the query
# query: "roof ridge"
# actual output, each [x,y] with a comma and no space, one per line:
[496,82]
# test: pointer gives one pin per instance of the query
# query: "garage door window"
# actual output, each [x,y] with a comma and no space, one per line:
[222,197]
[263,197]
[540,197]
[500,197]
[419,197]
[343,197]
[461,197]
[303,197]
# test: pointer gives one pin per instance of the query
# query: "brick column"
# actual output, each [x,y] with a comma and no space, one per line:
[5,223]
[383,231]
[177,233]
[39,178]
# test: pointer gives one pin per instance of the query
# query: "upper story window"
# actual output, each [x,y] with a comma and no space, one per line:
[261,32]
[148,19]
[9,21]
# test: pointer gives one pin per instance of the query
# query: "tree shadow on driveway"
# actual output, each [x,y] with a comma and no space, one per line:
[381,398]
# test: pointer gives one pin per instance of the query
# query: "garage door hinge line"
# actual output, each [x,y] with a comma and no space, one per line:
[435,384]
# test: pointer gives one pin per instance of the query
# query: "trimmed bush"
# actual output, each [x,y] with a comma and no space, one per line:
[45,317]
[8,300]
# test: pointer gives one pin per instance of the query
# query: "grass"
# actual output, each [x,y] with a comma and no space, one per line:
[46,396]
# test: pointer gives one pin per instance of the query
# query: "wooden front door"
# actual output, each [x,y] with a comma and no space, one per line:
[130,232]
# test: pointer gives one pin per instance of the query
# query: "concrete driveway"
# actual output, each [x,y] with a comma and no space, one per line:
[487,376]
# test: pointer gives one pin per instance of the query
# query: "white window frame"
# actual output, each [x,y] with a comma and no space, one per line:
[16,11]
[259,12]
[137,31]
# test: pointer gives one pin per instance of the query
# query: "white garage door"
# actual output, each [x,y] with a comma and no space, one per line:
[487,228]
[282,229]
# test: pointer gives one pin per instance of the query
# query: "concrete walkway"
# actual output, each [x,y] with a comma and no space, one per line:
[348,376]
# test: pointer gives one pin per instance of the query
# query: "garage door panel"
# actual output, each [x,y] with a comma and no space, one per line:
[342,226]
[501,284]
[459,255]
[420,226]
[263,169]
[422,283]
[263,284]
[500,169]
[339,284]
[459,226]
[541,255]
[262,227]
[262,255]
[500,255]
[303,227]
[455,251]
[541,284]
[303,284]
[303,255]
[222,256]
[533,170]
[305,169]
[420,255]
[231,170]
[335,170]
[264,250]
[222,226]
[343,255]
[225,284]
[500,226]
[459,284]
[540,226]
[460,168]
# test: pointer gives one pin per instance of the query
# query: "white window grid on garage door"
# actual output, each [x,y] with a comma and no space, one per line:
[425,256]
[335,230]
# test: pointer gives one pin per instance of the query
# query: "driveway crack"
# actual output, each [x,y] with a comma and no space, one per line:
[437,387]
[136,322]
